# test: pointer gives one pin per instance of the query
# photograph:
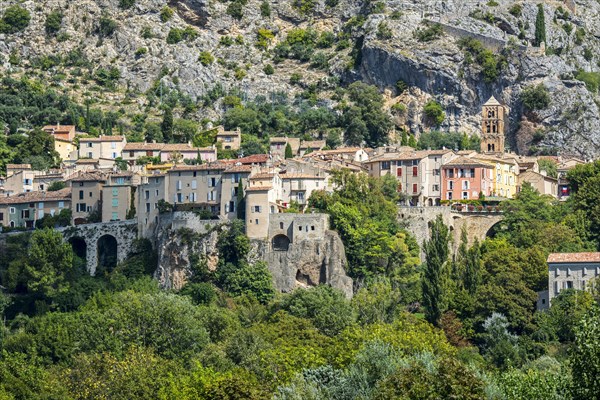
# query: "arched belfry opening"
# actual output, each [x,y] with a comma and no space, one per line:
[281,243]
[107,253]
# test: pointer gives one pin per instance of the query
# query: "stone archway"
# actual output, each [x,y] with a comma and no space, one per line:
[281,243]
[79,246]
[107,247]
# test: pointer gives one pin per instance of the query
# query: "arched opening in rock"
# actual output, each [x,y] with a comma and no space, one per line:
[79,247]
[107,254]
[281,243]
[494,230]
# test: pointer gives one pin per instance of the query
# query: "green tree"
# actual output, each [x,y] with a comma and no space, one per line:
[254,280]
[166,13]
[49,263]
[434,113]
[535,97]
[166,126]
[265,9]
[241,202]
[365,118]
[288,151]
[435,274]
[566,310]
[500,345]
[585,357]
[540,26]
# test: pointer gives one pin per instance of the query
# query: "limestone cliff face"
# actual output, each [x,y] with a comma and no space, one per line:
[307,263]
[182,240]
[433,70]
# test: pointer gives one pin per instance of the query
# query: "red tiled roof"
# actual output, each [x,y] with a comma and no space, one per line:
[18,166]
[28,197]
[262,175]
[185,147]
[87,177]
[87,161]
[258,188]
[238,168]
[103,138]
[143,146]
[253,159]
[574,257]
[201,167]
[465,161]
[301,176]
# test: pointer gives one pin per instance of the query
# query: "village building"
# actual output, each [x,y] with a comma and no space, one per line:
[22,210]
[86,197]
[230,140]
[466,178]
[118,197]
[569,271]
[62,132]
[178,152]
[307,147]
[277,146]
[262,199]
[541,182]
[133,151]
[504,177]
[102,147]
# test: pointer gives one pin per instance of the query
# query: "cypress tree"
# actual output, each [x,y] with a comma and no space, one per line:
[167,125]
[435,274]
[540,26]
[241,202]
[404,140]
[288,151]
[473,266]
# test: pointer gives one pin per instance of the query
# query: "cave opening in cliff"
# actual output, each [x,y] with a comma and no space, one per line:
[107,254]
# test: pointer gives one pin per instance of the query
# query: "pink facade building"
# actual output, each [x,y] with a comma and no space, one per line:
[464,179]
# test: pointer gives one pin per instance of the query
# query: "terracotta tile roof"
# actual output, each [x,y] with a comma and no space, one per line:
[59,195]
[59,128]
[258,188]
[202,167]
[278,140]
[254,159]
[185,147]
[18,166]
[238,168]
[103,138]
[465,161]
[574,258]
[143,146]
[87,177]
[87,161]
[262,175]
[301,176]
[313,144]
[343,150]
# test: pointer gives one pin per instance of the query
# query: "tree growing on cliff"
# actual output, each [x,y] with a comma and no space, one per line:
[540,26]
[167,125]
[435,274]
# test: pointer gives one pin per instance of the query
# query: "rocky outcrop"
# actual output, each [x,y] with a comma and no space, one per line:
[186,243]
[307,263]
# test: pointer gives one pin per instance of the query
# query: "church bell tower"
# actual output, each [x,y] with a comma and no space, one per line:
[495,119]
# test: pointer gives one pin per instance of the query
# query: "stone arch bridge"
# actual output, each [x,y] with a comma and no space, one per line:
[103,245]
[478,224]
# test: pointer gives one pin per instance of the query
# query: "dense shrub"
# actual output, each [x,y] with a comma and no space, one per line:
[106,26]
[535,97]
[491,64]
[591,80]
[166,13]
[53,22]
[15,19]
[125,4]
[428,34]
[434,113]
[206,58]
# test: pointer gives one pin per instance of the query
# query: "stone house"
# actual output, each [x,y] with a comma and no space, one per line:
[196,187]
[277,146]
[86,196]
[465,178]
[62,132]
[177,152]
[152,189]
[19,179]
[24,209]
[262,199]
[234,177]
[102,147]
[357,154]
[569,271]
[310,146]
[133,151]
[66,149]
[118,196]
[298,187]
[540,181]
[231,140]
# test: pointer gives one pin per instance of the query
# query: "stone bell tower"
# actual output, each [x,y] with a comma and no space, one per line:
[495,119]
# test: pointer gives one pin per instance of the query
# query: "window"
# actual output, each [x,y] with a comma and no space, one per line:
[24,213]
[27,182]
[120,181]
[179,198]
[256,221]
[12,210]
[449,173]
[115,191]
[81,195]
[90,154]
[147,207]
[113,145]
[131,154]
[40,205]
[415,171]
[156,192]
[449,195]
[91,194]
[42,187]
[415,162]
[193,197]
[179,185]
[150,153]
[147,195]
[232,206]
[472,172]
[281,225]
[465,195]
[415,188]
[436,172]
[465,185]
[301,196]
[385,165]
[435,188]
[212,182]
[194,184]
[114,155]
[115,202]
[89,144]
[399,171]
[211,196]
[115,216]
[450,185]
[256,209]
[81,207]
[61,204]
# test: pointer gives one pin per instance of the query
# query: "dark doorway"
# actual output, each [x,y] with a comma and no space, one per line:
[79,247]
[281,243]
[107,254]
